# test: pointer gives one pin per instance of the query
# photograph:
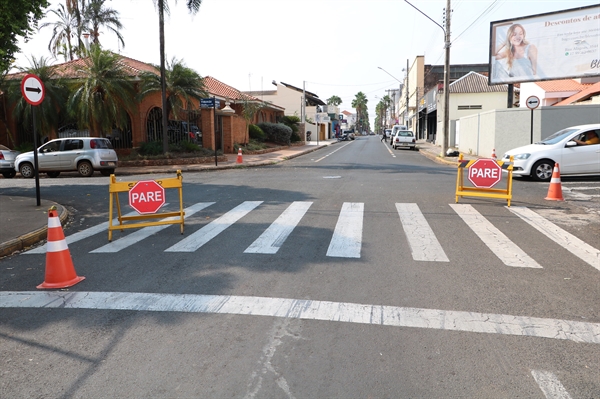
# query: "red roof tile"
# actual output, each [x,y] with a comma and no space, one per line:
[69,69]
[562,85]
[582,95]
[223,91]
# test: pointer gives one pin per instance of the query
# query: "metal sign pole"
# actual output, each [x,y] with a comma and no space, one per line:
[215,127]
[531,125]
[35,158]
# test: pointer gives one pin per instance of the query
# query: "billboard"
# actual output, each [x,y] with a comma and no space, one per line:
[558,45]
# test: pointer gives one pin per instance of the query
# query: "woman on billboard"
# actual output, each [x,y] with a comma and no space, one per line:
[516,57]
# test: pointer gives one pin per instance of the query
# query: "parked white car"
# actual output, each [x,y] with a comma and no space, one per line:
[566,147]
[82,154]
[404,139]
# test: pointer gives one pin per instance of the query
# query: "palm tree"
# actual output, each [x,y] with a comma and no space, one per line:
[163,5]
[77,9]
[64,30]
[182,85]
[102,94]
[334,100]
[97,15]
[360,104]
[48,113]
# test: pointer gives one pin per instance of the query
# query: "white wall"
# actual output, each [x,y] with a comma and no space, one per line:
[505,129]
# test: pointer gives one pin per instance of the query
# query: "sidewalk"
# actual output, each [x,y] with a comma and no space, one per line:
[25,224]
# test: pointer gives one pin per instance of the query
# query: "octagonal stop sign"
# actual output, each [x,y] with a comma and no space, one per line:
[147,196]
[485,173]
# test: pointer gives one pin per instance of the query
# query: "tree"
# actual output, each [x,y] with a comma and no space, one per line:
[163,6]
[48,113]
[249,109]
[334,100]
[97,15]
[360,104]
[102,94]
[18,18]
[64,30]
[181,83]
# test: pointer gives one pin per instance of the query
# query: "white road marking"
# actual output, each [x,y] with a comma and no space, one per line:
[194,241]
[424,245]
[271,240]
[550,385]
[333,152]
[146,232]
[508,252]
[304,309]
[577,247]
[99,228]
[347,237]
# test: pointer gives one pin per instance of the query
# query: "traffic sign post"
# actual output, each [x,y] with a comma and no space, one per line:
[146,197]
[532,103]
[484,174]
[34,92]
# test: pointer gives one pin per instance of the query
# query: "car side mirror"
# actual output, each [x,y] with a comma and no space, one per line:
[571,144]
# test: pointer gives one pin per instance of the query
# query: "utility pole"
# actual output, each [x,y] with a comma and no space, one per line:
[406,119]
[447,82]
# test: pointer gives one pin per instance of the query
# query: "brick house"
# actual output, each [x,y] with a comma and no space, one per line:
[145,121]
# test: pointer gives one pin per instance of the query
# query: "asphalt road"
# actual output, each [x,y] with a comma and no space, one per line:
[349,272]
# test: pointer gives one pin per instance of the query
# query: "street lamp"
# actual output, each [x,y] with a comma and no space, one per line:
[399,90]
[446,72]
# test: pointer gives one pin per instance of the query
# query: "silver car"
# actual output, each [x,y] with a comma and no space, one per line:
[7,161]
[82,154]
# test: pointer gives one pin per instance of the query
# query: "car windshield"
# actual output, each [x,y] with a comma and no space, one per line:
[558,136]
[405,134]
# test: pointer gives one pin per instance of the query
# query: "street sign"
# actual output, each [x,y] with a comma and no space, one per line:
[485,173]
[147,196]
[207,103]
[32,89]
[532,102]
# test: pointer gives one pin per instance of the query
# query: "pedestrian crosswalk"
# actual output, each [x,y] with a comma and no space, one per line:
[347,238]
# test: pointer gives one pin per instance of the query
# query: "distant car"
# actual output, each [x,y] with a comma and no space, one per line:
[538,160]
[82,154]
[404,139]
[7,161]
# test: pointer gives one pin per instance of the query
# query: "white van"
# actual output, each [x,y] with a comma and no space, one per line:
[397,128]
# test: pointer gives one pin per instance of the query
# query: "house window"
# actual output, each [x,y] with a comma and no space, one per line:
[465,107]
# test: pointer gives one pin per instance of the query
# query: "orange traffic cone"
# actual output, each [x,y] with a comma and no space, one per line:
[494,154]
[555,189]
[239,157]
[60,272]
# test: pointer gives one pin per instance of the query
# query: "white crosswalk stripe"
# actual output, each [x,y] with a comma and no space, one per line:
[347,237]
[550,385]
[567,240]
[139,235]
[194,241]
[424,245]
[508,252]
[271,240]
[99,228]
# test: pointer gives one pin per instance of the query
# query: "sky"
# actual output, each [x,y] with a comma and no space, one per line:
[332,47]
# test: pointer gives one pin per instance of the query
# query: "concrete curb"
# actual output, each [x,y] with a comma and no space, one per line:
[18,244]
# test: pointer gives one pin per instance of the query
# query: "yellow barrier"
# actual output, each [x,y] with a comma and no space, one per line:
[115,188]
[462,191]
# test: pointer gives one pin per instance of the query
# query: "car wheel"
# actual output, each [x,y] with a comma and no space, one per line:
[107,172]
[27,170]
[542,170]
[53,174]
[9,174]
[85,169]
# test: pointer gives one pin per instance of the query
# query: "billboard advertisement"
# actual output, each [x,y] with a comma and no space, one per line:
[558,45]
